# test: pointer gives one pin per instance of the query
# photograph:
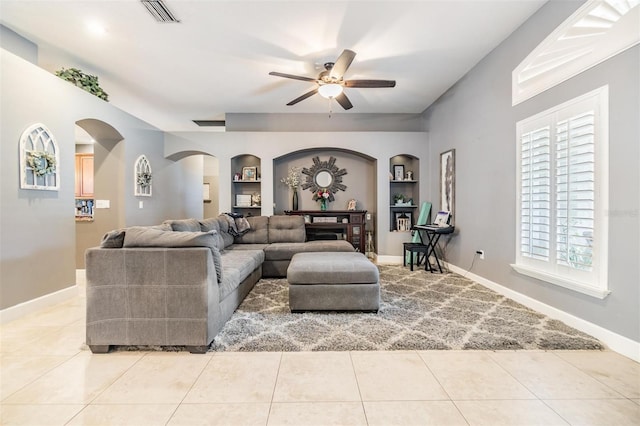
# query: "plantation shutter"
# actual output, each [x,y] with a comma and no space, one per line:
[535,194]
[575,191]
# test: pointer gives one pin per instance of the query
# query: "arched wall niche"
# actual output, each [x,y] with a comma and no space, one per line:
[360,179]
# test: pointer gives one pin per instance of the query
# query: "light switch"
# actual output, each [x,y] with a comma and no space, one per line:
[140,204]
[103,204]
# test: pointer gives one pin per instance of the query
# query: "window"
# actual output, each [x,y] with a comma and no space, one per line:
[562,194]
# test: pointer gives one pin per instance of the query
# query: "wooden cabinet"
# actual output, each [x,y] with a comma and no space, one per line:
[335,224]
[84,175]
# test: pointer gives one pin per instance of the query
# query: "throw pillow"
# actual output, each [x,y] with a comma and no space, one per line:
[184,225]
[113,239]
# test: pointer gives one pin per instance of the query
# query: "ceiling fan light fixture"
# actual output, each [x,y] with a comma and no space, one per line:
[330,90]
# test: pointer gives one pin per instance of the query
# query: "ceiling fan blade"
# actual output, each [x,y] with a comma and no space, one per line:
[303,97]
[370,83]
[343,101]
[295,77]
[342,64]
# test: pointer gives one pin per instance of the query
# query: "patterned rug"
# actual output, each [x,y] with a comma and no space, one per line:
[419,311]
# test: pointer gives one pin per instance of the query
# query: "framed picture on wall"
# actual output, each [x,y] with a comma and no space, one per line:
[249,173]
[448,182]
[398,172]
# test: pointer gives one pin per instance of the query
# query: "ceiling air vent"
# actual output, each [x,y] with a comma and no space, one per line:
[210,123]
[159,11]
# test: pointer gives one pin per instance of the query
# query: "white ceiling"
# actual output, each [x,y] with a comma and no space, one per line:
[217,59]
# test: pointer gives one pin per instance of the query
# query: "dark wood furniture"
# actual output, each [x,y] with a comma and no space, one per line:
[335,224]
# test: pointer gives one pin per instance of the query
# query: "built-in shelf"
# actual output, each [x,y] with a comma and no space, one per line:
[246,183]
[405,166]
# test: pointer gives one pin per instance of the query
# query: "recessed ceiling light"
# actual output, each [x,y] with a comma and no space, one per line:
[96,28]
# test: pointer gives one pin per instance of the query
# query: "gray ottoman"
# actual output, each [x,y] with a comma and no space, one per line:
[329,281]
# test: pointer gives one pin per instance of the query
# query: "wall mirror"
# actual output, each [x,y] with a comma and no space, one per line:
[324,175]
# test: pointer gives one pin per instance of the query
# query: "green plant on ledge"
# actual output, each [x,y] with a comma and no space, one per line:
[83,81]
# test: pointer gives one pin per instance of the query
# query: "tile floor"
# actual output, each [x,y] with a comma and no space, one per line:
[48,377]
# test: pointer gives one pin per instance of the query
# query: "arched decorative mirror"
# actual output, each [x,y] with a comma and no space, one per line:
[324,175]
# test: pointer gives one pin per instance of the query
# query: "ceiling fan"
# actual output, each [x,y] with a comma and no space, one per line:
[330,82]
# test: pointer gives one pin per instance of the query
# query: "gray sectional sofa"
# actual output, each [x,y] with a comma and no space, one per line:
[178,283]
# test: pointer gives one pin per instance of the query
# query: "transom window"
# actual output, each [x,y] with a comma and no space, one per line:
[562,194]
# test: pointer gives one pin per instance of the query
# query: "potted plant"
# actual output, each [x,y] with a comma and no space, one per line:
[84,81]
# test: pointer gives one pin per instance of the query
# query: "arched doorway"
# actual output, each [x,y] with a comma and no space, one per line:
[105,146]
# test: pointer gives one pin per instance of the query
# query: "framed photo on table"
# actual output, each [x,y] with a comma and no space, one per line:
[249,173]
[398,172]
[448,181]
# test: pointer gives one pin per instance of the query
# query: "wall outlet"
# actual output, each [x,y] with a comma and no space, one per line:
[480,253]
[368,216]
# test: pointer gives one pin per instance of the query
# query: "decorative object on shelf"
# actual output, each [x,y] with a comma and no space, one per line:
[143,177]
[352,204]
[256,199]
[39,159]
[243,200]
[409,175]
[448,182]
[398,172]
[324,175]
[324,196]
[249,173]
[293,181]
[403,221]
[237,177]
[84,81]
[398,199]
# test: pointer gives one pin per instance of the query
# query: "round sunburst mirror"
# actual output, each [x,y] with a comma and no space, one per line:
[324,175]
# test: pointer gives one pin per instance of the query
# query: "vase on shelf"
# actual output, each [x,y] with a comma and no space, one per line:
[323,204]
[295,199]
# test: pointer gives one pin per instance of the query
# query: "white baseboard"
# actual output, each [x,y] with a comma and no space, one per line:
[389,260]
[22,309]
[615,342]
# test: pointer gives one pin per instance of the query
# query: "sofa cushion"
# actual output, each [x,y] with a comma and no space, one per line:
[259,232]
[213,224]
[224,230]
[285,251]
[286,229]
[237,265]
[115,238]
[147,237]
[184,225]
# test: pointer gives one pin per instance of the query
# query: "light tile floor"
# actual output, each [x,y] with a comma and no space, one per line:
[49,377]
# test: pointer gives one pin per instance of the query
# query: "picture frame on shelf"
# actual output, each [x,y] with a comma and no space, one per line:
[249,173]
[448,181]
[398,172]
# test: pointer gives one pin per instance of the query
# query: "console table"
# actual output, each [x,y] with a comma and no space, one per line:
[346,224]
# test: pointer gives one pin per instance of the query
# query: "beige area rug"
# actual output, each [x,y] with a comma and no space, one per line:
[419,311]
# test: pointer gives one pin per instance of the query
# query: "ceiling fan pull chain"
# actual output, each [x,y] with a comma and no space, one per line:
[330,106]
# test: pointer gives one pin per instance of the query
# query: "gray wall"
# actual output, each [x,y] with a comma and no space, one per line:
[274,147]
[476,118]
[341,122]
[360,181]
[18,45]
[37,228]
